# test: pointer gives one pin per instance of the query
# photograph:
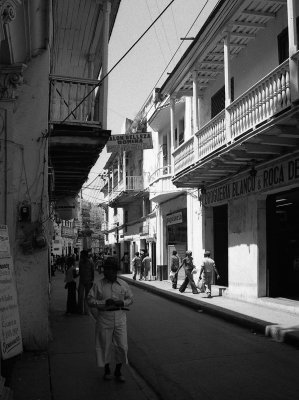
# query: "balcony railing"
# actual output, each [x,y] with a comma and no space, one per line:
[67,93]
[263,100]
[159,173]
[130,184]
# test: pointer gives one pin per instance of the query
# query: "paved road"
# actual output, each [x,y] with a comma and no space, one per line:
[184,354]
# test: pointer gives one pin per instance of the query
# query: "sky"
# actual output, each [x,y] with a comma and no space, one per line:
[136,76]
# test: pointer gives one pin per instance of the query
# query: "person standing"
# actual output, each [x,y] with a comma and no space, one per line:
[146,266]
[70,285]
[86,274]
[189,267]
[174,267]
[126,261]
[136,264]
[108,299]
[207,268]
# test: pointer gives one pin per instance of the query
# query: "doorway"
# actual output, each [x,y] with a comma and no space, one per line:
[283,244]
[220,225]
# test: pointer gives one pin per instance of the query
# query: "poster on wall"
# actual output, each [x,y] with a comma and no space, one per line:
[10,336]
[4,242]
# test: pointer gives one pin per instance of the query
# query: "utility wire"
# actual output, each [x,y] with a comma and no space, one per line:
[115,65]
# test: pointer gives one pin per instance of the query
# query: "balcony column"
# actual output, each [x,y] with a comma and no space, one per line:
[104,87]
[227,82]
[293,48]
[195,101]
[118,168]
[172,131]
[112,179]
[124,170]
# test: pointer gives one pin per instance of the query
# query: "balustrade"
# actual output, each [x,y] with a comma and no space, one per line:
[184,155]
[67,94]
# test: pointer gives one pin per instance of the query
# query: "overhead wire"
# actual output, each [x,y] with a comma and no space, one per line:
[120,60]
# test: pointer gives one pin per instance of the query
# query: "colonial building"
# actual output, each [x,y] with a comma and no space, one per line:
[52,127]
[240,76]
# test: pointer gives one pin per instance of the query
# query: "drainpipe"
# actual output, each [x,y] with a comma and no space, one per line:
[172,131]
[104,87]
[227,83]
[293,47]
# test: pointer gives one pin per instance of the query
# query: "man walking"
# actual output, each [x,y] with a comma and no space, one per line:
[86,274]
[174,267]
[188,267]
[207,268]
[108,299]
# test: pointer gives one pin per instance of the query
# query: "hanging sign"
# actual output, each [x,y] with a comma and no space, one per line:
[130,141]
[11,338]
[175,218]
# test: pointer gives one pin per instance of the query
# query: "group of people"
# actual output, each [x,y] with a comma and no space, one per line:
[205,275]
[107,300]
[141,265]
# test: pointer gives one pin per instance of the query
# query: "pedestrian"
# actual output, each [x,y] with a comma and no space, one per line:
[189,268]
[136,266]
[174,267]
[108,299]
[126,262]
[70,285]
[86,275]
[207,268]
[146,266]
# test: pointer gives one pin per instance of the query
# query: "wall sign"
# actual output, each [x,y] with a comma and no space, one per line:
[132,141]
[175,218]
[278,175]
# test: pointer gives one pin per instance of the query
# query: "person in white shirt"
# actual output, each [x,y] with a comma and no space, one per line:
[207,268]
[109,298]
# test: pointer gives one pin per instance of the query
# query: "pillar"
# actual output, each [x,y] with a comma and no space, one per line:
[293,48]
[172,131]
[227,82]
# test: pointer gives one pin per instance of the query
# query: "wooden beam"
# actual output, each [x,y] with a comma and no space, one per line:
[278,140]
[71,140]
[243,35]
[249,24]
[259,13]
[258,149]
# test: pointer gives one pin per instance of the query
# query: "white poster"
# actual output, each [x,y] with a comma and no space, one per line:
[11,338]
[4,242]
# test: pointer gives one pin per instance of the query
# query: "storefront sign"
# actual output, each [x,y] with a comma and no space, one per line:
[176,218]
[11,338]
[279,175]
[132,141]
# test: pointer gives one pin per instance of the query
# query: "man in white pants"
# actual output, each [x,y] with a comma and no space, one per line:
[108,299]
[207,268]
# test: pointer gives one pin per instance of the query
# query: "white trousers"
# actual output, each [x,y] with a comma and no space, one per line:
[111,340]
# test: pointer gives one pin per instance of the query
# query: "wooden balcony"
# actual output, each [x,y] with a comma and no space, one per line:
[76,136]
[125,191]
[257,126]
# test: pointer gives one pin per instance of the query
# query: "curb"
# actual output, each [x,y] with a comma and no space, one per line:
[256,325]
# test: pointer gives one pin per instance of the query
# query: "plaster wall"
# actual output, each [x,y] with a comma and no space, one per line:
[243,252]
[28,169]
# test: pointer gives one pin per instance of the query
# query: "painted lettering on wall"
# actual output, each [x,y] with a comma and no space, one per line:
[281,174]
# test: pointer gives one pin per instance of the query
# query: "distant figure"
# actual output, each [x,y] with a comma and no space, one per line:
[136,265]
[126,262]
[189,268]
[108,299]
[207,268]
[146,266]
[174,267]
[70,285]
[86,274]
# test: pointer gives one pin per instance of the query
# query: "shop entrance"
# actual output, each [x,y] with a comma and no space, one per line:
[283,244]
[221,243]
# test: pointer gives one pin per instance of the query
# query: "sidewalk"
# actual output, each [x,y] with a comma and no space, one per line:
[274,317]
[68,371]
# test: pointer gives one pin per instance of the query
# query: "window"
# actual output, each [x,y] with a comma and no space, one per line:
[218,100]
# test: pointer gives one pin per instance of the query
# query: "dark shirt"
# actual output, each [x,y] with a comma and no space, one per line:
[86,271]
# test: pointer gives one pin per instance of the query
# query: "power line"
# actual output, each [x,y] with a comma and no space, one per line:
[115,65]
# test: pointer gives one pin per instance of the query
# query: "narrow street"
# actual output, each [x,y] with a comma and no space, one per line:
[184,354]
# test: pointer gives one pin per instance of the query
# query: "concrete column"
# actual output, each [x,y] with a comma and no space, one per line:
[172,131]
[293,47]
[124,170]
[104,87]
[227,82]
[195,101]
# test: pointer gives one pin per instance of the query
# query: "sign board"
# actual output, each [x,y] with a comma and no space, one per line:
[132,141]
[175,218]
[11,338]
[275,176]
[4,242]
